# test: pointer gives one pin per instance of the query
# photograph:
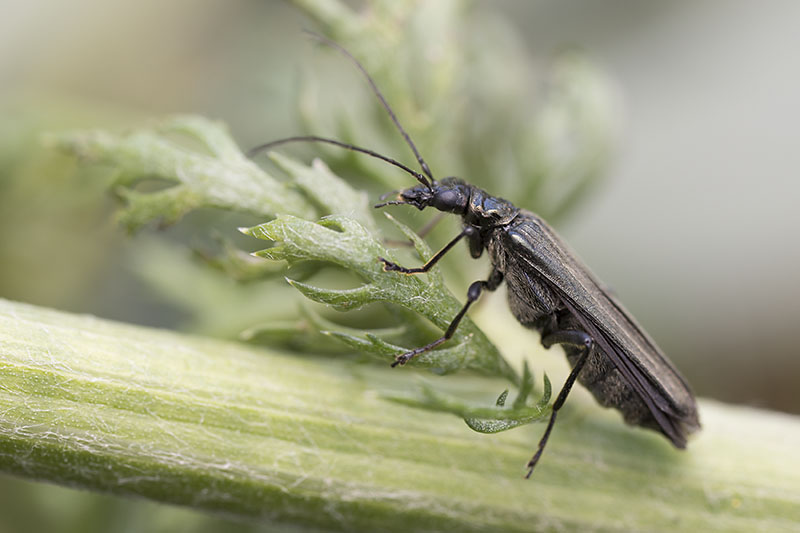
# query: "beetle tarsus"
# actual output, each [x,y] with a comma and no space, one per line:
[389,266]
[401,359]
[404,358]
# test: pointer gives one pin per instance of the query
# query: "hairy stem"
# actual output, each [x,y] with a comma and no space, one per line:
[256,434]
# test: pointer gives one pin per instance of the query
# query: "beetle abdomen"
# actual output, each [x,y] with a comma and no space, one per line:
[611,389]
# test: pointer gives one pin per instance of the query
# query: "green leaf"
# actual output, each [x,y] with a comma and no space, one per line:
[199,160]
[238,264]
[485,419]
[329,191]
[525,387]
[345,242]
[480,419]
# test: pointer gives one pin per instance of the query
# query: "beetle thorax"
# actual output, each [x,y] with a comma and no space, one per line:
[486,211]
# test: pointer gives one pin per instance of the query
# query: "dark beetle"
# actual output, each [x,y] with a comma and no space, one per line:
[552,291]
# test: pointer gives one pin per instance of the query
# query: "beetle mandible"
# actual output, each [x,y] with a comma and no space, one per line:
[549,290]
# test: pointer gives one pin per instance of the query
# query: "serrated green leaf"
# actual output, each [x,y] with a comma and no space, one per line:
[323,324]
[490,419]
[335,239]
[223,178]
[297,335]
[328,190]
[546,393]
[525,386]
[238,264]
[369,344]
[487,419]
[501,400]
[345,242]
[341,299]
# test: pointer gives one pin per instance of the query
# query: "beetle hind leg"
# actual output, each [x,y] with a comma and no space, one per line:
[578,339]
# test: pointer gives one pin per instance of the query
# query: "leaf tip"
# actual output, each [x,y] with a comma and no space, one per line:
[276,253]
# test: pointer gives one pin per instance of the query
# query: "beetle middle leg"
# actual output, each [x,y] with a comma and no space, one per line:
[578,339]
[473,293]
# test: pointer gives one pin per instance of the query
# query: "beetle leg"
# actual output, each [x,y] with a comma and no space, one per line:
[473,293]
[579,339]
[389,266]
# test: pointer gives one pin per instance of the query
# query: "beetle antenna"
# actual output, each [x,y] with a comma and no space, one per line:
[393,202]
[423,165]
[313,138]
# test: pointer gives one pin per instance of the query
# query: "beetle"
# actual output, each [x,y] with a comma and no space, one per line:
[549,290]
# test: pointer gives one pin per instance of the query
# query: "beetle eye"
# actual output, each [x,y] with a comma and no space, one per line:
[447,199]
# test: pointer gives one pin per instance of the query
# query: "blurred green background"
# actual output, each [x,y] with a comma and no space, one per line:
[695,228]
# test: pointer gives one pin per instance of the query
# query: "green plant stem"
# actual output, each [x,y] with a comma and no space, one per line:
[223,427]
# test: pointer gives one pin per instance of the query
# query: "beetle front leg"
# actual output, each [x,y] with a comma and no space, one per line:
[389,266]
[473,293]
[579,339]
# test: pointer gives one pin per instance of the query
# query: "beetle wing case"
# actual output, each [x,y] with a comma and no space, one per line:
[627,360]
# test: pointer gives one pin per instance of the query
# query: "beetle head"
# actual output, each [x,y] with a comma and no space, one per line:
[450,195]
